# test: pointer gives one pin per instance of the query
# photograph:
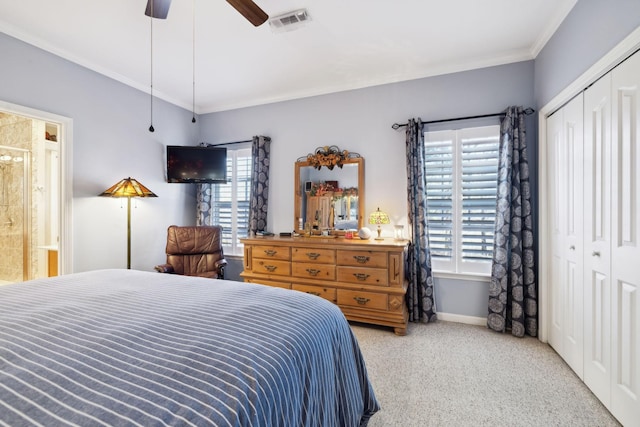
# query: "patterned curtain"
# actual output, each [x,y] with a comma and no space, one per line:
[204,201]
[204,194]
[420,294]
[260,150]
[513,292]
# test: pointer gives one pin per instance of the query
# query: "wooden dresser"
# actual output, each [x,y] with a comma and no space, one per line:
[365,278]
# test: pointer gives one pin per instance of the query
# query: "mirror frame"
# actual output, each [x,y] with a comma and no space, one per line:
[299,194]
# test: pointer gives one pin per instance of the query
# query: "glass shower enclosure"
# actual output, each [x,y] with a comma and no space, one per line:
[15,217]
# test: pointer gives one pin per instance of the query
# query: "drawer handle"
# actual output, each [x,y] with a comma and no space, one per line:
[595,253]
[361,259]
[361,300]
[270,268]
[361,276]
[270,252]
[312,255]
[313,271]
[314,293]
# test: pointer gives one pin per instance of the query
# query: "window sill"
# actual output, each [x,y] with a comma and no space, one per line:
[462,276]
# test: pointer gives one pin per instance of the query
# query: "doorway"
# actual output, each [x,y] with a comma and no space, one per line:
[30,196]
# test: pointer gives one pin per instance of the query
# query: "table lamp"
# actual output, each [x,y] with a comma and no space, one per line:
[378,217]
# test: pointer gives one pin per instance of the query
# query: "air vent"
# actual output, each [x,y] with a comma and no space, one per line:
[289,21]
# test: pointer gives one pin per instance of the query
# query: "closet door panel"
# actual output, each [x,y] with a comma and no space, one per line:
[573,239]
[565,133]
[626,242]
[597,239]
[556,179]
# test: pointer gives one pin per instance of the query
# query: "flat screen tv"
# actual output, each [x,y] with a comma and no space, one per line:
[199,165]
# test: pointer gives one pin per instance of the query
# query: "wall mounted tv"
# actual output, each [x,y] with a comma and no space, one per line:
[199,165]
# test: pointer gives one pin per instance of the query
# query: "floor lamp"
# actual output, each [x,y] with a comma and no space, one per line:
[128,188]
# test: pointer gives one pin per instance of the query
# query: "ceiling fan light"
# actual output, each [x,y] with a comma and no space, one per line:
[157,8]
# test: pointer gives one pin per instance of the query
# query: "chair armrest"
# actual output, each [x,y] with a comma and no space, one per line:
[164,268]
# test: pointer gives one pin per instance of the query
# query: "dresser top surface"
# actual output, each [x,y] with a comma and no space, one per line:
[337,242]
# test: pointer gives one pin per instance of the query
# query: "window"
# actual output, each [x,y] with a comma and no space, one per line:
[462,174]
[231,200]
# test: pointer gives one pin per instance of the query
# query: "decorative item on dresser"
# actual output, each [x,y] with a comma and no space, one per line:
[378,217]
[365,278]
[329,199]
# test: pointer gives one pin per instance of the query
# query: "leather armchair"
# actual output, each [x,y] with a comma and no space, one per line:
[194,251]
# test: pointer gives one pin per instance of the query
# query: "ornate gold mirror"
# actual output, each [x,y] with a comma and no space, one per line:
[329,191]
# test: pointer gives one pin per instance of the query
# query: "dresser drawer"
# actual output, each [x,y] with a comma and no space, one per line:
[324,256]
[363,299]
[363,276]
[272,266]
[271,252]
[272,283]
[362,258]
[320,291]
[313,270]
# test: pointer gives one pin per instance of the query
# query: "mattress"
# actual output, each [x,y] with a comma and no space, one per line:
[133,348]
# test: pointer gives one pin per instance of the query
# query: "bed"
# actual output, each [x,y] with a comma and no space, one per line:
[125,347]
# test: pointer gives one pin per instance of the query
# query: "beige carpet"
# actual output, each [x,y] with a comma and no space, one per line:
[451,374]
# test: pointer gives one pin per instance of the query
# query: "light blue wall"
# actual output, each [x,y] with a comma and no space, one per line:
[110,142]
[592,28]
[360,121]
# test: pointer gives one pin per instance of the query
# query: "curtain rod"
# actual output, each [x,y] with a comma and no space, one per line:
[527,111]
[230,143]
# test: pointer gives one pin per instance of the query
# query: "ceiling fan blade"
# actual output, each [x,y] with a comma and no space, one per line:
[250,10]
[160,8]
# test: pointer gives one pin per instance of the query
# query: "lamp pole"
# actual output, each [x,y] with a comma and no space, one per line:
[129,233]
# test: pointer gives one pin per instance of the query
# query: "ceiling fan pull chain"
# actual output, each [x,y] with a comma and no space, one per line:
[193,107]
[151,129]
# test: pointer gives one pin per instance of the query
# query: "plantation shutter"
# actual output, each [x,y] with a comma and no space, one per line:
[243,193]
[462,174]
[439,170]
[479,161]
[231,200]
[223,204]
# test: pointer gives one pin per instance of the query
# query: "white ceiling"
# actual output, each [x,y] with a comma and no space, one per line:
[347,44]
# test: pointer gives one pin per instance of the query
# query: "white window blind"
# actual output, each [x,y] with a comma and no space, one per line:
[231,200]
[461,172]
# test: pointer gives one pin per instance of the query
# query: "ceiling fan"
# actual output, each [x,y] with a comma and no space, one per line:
[247,8]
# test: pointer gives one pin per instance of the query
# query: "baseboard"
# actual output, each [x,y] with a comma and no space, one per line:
[460,318]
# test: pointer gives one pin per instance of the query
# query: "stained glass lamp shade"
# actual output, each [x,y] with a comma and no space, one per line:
[378,217]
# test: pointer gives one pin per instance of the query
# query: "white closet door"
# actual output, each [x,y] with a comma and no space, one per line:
[555,193]
[625,398]
[573,248]
[597,239]
[567,225]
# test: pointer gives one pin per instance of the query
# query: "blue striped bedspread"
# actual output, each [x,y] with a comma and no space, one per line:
[133,348]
